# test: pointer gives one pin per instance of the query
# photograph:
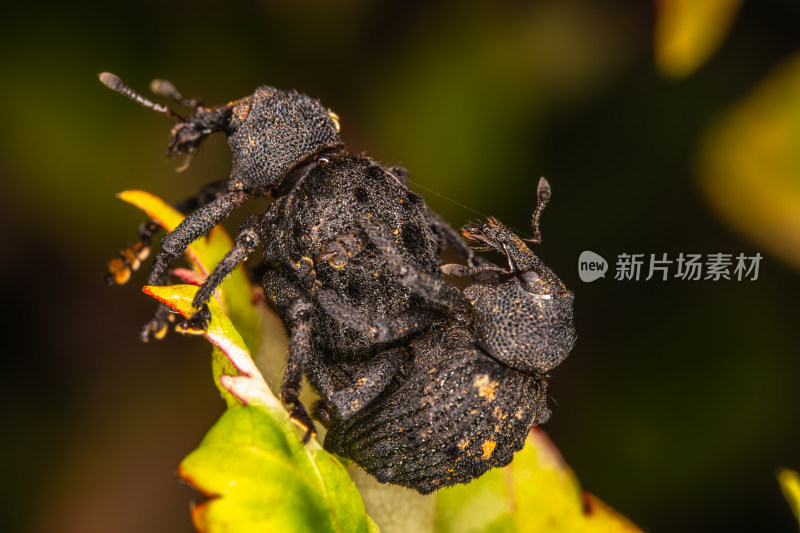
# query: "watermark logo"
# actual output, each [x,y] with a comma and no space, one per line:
[591,266]
[685,267]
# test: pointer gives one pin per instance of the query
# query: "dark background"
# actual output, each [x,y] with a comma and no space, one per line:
[680,399]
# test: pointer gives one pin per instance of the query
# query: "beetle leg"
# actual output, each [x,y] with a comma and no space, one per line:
[384,329]
[459,271]
[366,383]
[175,243]
[432,288]
[130,259]
[247,241]
[299,322]
[451,237]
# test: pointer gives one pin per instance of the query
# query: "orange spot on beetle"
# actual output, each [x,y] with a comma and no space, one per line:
[488,448]
[485,386]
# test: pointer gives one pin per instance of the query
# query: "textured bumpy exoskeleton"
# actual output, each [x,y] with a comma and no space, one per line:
[421,384]
[286,146]
[475,382]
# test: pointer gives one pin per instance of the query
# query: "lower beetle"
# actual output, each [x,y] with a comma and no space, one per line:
[475,383]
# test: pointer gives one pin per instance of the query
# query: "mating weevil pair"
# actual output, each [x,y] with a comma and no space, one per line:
[422,384]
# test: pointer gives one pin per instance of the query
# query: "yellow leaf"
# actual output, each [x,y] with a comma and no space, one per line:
[749,164]
[536,493]
[689,31]
[238,378]
[551,497]
[790,484]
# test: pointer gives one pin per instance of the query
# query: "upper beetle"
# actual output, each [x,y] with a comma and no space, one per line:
[286,146]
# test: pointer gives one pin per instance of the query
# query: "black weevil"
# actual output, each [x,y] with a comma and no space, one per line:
[286,146]
[476,382]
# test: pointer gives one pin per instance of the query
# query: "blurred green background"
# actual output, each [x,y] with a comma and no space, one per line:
[680,399]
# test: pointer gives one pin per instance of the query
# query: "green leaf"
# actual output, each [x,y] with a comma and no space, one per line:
[252,464]
[790,485]
[537,492]
[204,254]
[397,509]
[482,506]
[261,478]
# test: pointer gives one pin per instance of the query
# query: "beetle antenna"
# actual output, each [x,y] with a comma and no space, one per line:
[543,193]
[166,89]
[113,82]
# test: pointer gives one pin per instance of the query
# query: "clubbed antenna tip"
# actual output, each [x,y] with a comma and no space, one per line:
[543,190]
[111,81]
[167,89]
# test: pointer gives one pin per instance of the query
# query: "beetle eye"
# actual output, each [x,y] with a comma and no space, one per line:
[530,276]
[335,119]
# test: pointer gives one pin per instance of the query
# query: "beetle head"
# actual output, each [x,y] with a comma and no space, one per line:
[527,330]
[526,321]
[270,132]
